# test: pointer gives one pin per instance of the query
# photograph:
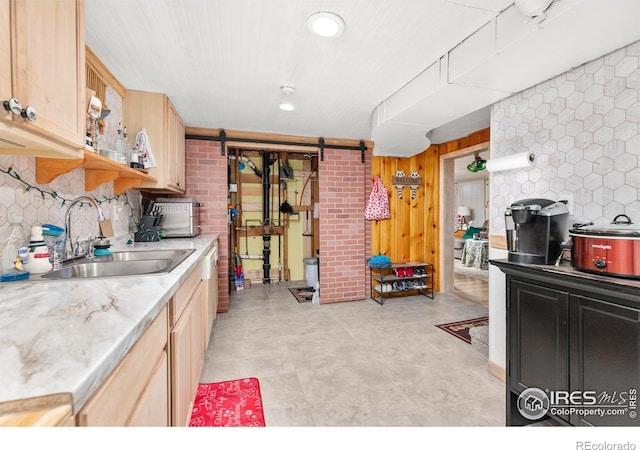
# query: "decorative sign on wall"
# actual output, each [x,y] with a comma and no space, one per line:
[413,181]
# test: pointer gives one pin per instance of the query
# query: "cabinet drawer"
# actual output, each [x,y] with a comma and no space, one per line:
[183,294]
[114,402]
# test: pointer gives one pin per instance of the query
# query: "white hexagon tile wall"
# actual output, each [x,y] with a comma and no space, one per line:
[582,127]
[37,210]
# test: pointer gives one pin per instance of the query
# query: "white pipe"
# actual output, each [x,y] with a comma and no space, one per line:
[245,256]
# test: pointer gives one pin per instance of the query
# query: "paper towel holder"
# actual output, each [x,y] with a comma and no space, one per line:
[510,162]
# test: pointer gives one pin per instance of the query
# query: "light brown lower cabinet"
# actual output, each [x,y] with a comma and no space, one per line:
[136,392]
[187,348]
[152,408]
[156,383]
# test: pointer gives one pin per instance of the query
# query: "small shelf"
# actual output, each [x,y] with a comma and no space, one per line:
[98,170]
[419,282]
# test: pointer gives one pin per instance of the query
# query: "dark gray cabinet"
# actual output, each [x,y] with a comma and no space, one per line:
[605,350]
[538,328]
[569,332]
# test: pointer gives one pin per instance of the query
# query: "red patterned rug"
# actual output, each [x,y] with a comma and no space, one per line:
[461,329]
[235,403]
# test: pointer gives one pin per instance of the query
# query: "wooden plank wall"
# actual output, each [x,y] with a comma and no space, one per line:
[479,137]
[413,232]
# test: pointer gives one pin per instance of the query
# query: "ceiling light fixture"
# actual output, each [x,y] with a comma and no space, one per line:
[285,104]
[477,164]
[325,24]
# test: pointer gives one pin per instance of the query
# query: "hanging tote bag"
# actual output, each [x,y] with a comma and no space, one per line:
[378,205]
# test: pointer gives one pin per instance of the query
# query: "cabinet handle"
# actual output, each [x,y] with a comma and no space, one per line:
[13,105]
[29,113]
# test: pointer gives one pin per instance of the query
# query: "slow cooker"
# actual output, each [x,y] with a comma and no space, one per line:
[612,249]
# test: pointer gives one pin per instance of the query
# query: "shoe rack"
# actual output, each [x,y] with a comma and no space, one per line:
[400,280]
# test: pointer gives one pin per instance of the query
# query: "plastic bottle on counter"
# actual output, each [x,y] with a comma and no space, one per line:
[15,252]
[39,261]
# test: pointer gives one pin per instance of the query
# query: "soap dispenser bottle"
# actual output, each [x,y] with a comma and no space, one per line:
[39,258]
[15,252]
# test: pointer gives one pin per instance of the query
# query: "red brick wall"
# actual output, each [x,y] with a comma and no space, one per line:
[206,179]
[345,235]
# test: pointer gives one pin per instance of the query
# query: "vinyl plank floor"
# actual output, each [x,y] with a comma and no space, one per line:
[471,288]
[355,364]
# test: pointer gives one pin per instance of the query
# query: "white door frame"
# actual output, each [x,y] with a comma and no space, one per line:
[447,212]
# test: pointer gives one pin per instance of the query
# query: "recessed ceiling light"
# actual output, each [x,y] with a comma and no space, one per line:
[285,106]
[325,24]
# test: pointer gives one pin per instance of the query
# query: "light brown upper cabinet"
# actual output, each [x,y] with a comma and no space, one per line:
[42,78]
[165,130]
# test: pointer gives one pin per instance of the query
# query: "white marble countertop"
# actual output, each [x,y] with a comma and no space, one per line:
[67,336]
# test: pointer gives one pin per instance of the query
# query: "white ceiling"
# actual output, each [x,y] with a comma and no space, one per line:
[401,68]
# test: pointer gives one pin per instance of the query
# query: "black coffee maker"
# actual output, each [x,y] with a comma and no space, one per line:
[536,227]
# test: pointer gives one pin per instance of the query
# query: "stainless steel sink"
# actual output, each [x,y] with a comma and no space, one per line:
[120,264]
[138,255]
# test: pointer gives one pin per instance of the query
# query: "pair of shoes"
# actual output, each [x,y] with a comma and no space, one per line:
[403,285]
[386,287]
[403,272]
[419,272]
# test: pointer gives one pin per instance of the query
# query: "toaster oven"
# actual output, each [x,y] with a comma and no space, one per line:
[181,216]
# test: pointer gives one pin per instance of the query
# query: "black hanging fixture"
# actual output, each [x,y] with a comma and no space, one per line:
[478,164]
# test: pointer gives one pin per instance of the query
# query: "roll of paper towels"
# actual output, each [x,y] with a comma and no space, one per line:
[517,161]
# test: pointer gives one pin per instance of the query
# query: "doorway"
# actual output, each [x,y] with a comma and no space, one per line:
[460,187]
[273,226]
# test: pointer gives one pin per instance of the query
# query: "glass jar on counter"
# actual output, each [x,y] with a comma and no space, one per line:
[122,148]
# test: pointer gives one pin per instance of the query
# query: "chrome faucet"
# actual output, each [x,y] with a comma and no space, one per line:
[69,251]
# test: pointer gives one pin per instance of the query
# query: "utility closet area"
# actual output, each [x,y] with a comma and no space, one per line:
[273,214]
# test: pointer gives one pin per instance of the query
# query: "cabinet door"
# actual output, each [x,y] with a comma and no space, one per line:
[538,336]
[48,67]
[198,330]
[187,350]
[154,112]
[605,355]
[152,408]
[5,58]
[114,403]
[176,157]
[181,370]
